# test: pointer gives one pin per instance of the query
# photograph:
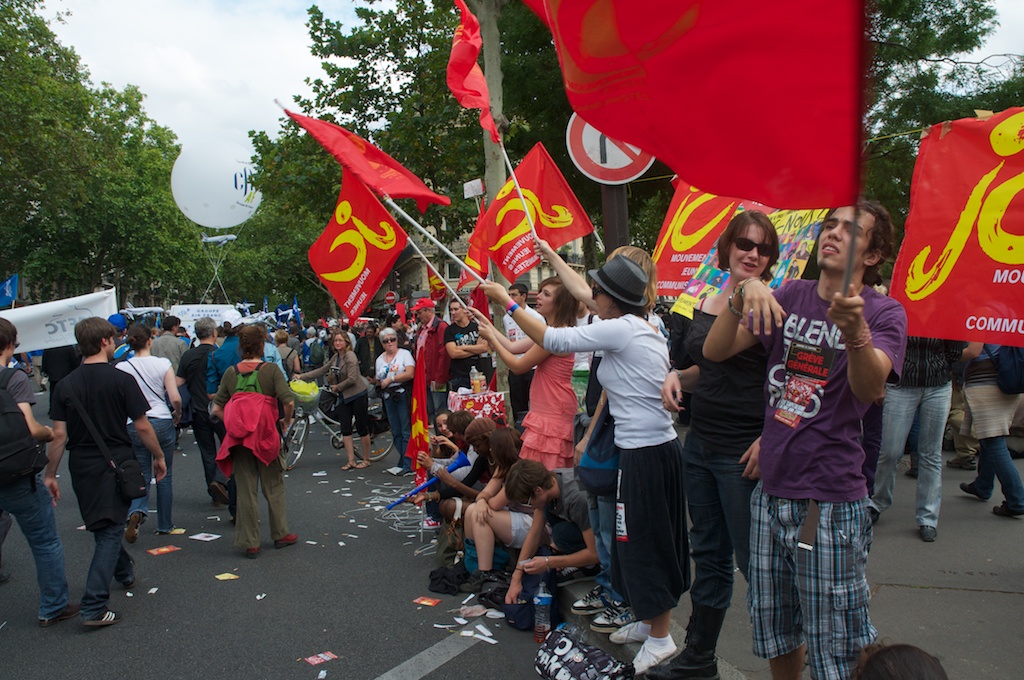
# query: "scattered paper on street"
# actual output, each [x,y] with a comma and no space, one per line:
[163,550]
[226,576]
[204,537]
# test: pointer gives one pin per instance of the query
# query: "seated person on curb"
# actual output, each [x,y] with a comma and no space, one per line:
[454,486]
[554,495]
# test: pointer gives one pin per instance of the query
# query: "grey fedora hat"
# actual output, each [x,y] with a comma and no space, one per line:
[623,279]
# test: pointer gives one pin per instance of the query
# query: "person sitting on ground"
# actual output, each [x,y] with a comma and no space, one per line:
[554,495]
[445,502]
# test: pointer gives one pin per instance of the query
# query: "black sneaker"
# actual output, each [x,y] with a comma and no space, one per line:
[591,603]
[567,575]
[475,582]
[107,618]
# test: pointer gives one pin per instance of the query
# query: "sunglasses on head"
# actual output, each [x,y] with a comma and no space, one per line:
[746,245]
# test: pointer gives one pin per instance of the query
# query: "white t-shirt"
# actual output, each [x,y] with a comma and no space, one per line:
[149,373]
[389,369]
[632,371]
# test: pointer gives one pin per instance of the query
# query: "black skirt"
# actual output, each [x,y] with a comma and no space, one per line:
[650,553]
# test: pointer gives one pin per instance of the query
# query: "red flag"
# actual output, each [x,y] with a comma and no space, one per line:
[437,288]
[478,300]
[465,79]
[358,248]
[959,269]
[476,256]
[419,440]
[557,215]
[664,76]
[373,167]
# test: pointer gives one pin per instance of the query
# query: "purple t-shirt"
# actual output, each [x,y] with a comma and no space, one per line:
[810,446]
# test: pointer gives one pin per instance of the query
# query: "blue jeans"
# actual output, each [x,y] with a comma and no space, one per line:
[109,560]
[901,403]
[602,522]
[718,498]
[33,509]
[164,496]
[994,461]
[397,408]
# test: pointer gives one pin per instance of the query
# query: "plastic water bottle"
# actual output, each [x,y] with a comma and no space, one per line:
[574,632]
[541,613]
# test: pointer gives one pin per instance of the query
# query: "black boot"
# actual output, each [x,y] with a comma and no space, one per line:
[697,660]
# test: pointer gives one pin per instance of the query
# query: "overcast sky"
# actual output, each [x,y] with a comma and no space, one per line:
[211,69]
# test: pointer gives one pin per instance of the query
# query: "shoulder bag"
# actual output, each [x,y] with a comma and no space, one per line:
[131,483]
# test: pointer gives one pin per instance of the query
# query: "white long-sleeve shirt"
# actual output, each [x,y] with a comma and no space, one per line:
[632,371]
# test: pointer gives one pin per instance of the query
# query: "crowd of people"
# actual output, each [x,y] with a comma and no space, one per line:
[801,400]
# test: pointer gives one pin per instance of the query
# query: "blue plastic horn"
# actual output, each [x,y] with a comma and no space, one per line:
[460,461]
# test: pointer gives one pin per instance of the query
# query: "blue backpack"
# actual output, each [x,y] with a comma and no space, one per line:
[1009,362]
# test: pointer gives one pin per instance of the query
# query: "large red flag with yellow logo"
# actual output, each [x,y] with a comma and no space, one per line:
[557,216]
[664,75]
[438,291]
[358,248]
[961,264]
[476,256]
[419,440]
[465,79]
[376,169]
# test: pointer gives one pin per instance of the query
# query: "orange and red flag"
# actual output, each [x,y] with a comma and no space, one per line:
[465,79]
[358,248]
[438,291]
[959,270]
[557,216]
[419,439]
[476,256]
[664,76]
[373,167]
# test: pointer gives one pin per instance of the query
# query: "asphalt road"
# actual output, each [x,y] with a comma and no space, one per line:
[353,600]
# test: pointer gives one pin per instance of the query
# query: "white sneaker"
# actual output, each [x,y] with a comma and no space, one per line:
[646,658]
[630,633]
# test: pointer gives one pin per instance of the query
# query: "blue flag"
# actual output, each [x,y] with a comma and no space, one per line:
[9,291]
[296,314]
[266,305]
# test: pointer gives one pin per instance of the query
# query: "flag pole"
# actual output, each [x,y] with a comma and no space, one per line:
[430,237]
[432,268]
[519,190]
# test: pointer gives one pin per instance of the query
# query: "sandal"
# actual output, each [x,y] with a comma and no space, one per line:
[348,466]
[361,465]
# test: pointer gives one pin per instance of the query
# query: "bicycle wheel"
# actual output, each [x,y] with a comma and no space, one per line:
[381,444]
[296,442]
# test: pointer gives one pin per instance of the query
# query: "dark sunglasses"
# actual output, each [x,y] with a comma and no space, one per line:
[388,341]
[746,245]
[597,290]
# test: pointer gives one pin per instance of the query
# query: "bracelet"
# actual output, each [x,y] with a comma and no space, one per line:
[511,308]
[547,562]
[737,312]
[860,342]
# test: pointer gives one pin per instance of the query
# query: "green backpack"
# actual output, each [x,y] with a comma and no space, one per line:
[248,382]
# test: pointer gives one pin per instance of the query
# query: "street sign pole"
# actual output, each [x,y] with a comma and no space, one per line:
[615,207]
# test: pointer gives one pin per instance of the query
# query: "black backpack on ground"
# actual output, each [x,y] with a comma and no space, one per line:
[20,453]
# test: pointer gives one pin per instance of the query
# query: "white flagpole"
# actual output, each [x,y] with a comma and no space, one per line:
[430,237]
[519,190]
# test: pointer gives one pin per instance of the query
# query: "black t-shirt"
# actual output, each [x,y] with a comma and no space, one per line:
[60,361]
[470,335]
[108,395]
[727,408]
[193,369]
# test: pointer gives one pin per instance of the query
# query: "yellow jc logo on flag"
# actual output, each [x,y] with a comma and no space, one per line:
[357,238]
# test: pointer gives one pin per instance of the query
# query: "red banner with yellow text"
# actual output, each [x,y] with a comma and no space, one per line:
[419,439]
[557,216]
[358,248]
[960,269]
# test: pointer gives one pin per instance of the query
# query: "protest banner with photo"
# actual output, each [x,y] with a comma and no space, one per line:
[358,248]
[959,272]
[797,230]
[52,324]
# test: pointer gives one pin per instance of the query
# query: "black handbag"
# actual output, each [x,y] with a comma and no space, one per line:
[131,483]
[598,469]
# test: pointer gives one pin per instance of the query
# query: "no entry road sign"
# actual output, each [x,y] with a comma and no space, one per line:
[601,158]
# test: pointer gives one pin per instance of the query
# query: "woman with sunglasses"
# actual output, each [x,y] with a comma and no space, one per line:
[726,418]
[548,426]
[650,564]
[394,372]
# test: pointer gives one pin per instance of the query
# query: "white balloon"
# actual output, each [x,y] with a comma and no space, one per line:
[212,185]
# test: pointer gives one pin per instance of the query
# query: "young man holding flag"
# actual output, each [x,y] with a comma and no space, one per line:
[830,353]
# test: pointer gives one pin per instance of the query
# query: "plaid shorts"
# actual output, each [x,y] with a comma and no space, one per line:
[819,596]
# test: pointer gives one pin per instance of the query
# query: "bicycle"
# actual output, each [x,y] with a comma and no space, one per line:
[307,409]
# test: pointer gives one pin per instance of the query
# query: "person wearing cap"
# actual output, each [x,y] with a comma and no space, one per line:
[122,351]
[436,362]
[650,555]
